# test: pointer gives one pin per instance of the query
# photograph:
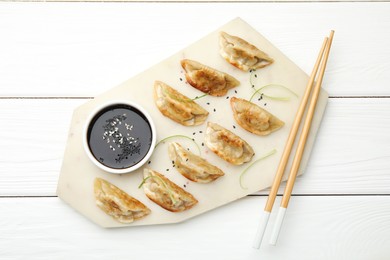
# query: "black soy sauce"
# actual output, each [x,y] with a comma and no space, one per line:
[119,136]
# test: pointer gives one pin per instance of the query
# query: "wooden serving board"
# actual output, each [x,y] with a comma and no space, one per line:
[75,184]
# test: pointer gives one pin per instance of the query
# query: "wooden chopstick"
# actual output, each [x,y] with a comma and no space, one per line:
[301,146]
[287,150]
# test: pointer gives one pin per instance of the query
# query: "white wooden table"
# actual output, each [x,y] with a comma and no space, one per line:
[56,56]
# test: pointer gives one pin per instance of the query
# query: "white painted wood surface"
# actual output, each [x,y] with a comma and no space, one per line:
[82,49]
[351,227]
[60,51]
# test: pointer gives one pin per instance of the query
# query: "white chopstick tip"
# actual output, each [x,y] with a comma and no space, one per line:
[261,230]
[277,226]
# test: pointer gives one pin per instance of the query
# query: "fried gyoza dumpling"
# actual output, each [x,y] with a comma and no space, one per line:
[253,118]
[242,54]
[192,166]
[208,80]
[117,203]
[165,193]
[178,107]
[227,145]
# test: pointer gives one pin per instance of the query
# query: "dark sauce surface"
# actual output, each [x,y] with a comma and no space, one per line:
[119,136]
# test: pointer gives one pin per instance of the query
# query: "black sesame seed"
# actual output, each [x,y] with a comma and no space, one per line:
[227,97]
[187,160]
[181,79]
[193,133]
[235,91]
[234,126]
[265,104]
[208,103]
[173,166]
[173,162]
[253,86]
[149,162]
[200,132]
[255,75]
[202,144]
[215,110]
[185,186]
[193,139]
[167,170]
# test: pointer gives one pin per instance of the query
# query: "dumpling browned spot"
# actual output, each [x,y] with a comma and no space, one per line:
[117,203]
[165,193]
[227,145]
[208,80]
[253,118]
[192,166]
[178,107]
[242,54]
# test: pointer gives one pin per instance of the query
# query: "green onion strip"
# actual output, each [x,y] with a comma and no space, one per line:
[273,97]
[198,97]
[163,183]
[247,168]
[257,91]
[178,136]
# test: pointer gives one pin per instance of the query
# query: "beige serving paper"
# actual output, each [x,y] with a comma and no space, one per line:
[77,175]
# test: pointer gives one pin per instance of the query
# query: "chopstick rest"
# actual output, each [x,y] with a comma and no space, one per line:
[301,146]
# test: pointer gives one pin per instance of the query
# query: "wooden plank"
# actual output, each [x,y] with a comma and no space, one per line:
[33,137]
[351,154]
[346,227]
[83,49]
[197,1]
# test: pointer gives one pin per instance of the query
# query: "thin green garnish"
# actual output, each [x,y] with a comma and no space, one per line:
[184,99]
[178,136]
[273,97]
[170,193]
[247,168]
[143,182]
[199,97]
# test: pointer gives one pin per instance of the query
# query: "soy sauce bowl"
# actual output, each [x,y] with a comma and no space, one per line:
[119,137]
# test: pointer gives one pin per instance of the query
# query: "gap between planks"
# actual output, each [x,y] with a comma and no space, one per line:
[199,1]
[87,98]
[250,195]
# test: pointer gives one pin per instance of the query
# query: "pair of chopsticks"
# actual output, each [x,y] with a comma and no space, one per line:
[322,59]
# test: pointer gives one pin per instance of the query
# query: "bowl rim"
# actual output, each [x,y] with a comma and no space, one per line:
[97,110]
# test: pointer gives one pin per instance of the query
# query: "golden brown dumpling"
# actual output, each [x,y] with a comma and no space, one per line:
[253,118]
[227,145]
[242,54]
[165,193]
[117,203]
[192,166]
[208,80]
[178,107]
